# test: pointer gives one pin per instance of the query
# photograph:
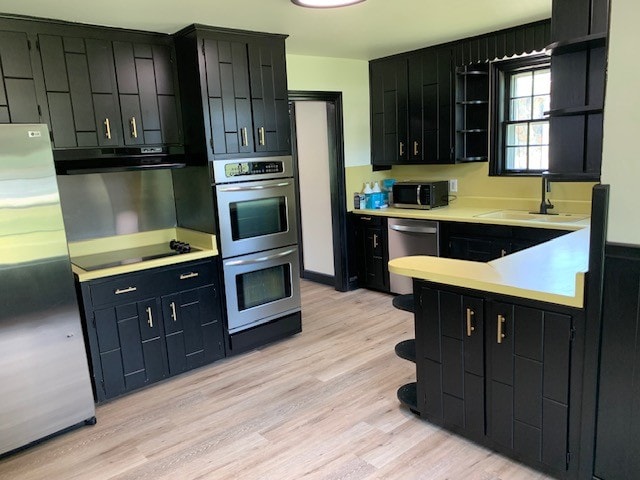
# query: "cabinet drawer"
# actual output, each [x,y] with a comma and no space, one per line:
[123,289]
[184,277]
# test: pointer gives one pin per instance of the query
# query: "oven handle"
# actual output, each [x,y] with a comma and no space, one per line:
[255,187]
[259,260]
[402,228]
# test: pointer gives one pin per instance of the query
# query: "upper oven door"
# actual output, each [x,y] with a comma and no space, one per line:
[256,216]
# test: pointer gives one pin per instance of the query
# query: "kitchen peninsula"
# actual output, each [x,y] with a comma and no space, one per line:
[499,349]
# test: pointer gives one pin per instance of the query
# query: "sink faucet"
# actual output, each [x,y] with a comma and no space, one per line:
[545,204]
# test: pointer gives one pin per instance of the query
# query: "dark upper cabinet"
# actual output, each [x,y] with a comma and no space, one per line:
[389,110]
[95,87]
[411,108]
[578,70]
[18,98]
[234,91]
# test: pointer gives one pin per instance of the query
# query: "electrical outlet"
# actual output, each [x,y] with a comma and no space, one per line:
[453,185]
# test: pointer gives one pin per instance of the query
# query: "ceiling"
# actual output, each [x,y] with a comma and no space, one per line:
[372,29]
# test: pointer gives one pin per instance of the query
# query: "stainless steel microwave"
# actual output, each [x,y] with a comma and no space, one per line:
[421,194]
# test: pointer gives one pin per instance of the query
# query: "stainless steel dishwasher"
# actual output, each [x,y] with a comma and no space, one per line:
[410,237]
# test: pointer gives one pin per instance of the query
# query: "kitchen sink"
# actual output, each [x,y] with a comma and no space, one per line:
[533,217]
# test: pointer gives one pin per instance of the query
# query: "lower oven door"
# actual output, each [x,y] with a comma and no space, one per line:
[261,287]
[256,216]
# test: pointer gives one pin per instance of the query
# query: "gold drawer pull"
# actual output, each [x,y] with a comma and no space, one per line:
[120,291]
[184,276]
[173,311]
[470,327]
[149,317]
[107,125]
[501,322]
[134,128]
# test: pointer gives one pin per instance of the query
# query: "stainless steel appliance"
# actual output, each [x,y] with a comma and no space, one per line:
[410,237]
[421,194]
[44,377]
[258,240]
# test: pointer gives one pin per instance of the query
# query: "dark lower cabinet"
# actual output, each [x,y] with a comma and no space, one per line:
[144,327]
[528,382]
[372,252]
[450,349]
[499,373]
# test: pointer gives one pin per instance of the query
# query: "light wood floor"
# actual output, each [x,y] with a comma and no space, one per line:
[319,405]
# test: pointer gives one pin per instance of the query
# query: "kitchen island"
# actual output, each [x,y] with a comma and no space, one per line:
[500,349]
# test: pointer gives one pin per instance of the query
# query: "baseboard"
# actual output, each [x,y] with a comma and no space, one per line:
[319,278]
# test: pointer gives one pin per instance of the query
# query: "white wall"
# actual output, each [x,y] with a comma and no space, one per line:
[315,190]
[621,156]
[351,77]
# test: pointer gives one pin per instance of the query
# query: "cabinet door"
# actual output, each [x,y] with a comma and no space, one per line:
[193,329]
[131,352]
[269,96]
[450,369]
[529,382]
[18,99]
[103,88]
[147,95]
[389,112]
[227,73]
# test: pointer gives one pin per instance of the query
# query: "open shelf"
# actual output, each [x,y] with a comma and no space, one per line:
[404,302]
[567,112]
[577,44]
[408,396]
[407,350]
[472,113]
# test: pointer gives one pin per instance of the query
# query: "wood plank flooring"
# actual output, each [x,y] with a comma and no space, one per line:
[320,405]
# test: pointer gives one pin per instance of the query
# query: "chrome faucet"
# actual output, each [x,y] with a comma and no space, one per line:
[545,204]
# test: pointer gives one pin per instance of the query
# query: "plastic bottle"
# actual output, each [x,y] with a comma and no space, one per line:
[376,196]
[367,195]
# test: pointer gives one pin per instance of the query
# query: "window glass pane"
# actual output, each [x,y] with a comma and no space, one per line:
[540,105]
[520,109]
[542,82]
[538,158]
[517,134]
[521,85]
[516,158]
[539,133]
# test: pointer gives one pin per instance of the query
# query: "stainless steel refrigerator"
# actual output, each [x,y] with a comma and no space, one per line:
[44,377]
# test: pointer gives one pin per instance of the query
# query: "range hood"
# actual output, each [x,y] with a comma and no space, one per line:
[121,159]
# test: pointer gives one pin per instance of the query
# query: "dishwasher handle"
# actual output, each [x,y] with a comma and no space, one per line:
[406,229]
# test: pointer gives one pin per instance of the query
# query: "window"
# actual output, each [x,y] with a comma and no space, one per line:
[522,90]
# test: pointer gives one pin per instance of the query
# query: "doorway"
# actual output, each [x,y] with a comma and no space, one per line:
[318,157]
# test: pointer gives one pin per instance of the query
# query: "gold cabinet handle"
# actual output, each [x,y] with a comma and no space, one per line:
[375,241]
[107,126]
[184,276]
[134,128]
[245,137]
[120,291]
[149,317]
[503,253]
[501,322]
[415,148]
[261,135]
[401,149]
[470,327]
[173,311]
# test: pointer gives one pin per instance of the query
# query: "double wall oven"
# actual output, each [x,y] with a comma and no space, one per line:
[258,240]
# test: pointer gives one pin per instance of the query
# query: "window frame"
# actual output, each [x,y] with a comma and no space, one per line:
[500,71]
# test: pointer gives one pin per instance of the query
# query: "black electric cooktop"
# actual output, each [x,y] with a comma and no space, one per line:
[127,256]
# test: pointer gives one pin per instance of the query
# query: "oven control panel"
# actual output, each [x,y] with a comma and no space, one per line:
[252,168]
